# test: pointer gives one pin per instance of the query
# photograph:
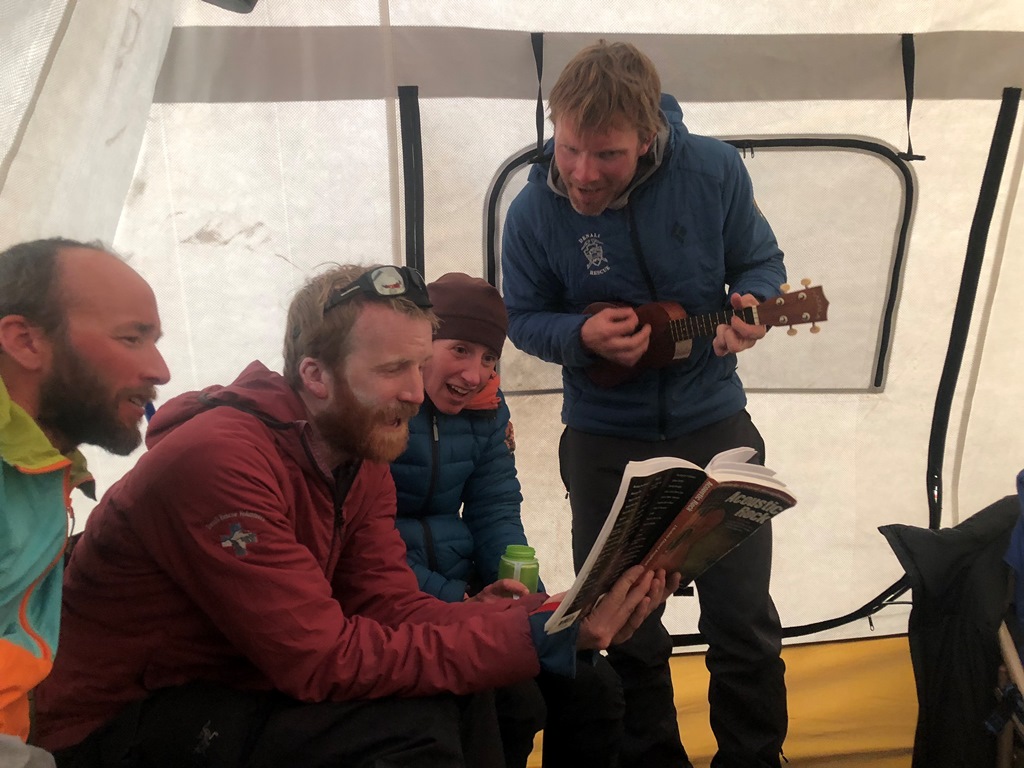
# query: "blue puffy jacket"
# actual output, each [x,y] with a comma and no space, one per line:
[689,230]
[452,463]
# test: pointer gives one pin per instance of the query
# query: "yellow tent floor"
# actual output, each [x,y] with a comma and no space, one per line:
[852,704]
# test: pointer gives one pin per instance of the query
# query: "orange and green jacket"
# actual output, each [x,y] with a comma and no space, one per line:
[35,483]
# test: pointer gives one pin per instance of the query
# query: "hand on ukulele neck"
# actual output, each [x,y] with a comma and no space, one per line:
[737,335]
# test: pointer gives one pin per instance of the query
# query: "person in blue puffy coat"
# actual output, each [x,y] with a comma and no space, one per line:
[459,507]
[458,494]
[629,208]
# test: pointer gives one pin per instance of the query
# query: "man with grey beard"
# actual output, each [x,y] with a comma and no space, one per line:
[78,364]
[241,597]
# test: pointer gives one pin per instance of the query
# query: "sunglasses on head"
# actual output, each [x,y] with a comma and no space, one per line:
[386,283]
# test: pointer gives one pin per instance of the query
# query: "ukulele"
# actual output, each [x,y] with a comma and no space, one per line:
[673,331]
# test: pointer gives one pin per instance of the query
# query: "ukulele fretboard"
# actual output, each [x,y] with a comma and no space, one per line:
[703,326]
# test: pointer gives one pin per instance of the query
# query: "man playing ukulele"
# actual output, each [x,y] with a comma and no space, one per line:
[632,208]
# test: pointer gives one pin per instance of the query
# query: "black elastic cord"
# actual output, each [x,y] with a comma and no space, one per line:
[909,194]
[537,40]
[965,299]
[412,167]
[885,598]
[535,155]
[491,236]
[908,83]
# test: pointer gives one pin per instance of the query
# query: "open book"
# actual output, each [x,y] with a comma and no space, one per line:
[669,513]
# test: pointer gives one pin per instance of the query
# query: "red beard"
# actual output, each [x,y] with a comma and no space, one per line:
[362,431]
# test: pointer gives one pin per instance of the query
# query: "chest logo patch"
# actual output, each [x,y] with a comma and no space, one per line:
[593,251]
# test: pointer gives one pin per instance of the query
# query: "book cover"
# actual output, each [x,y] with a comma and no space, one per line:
[719,516]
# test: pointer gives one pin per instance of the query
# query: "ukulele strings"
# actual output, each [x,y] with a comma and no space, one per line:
[694,327]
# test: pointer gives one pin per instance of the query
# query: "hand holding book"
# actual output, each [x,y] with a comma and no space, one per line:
[630,600]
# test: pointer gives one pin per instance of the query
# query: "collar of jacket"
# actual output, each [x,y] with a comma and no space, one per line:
[26,447]
[487,398]
[645,168]
[264,395]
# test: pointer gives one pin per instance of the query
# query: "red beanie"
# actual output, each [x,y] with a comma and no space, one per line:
[470,309]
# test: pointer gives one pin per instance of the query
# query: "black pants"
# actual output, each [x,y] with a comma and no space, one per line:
[581,717]
[203,725]
[747,692]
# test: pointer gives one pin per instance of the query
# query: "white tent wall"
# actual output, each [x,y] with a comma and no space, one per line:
[273,147]
[78,79]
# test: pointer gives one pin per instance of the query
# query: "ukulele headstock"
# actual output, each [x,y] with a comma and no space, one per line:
[806,305]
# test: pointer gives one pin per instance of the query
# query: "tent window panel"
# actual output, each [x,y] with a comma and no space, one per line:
[837,213]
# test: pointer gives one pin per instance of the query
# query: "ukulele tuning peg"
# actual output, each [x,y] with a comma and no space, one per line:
[806,282]
[784,287]
[815,328]
[791,331]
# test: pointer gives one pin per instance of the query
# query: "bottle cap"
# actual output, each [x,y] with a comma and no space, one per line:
[520,552]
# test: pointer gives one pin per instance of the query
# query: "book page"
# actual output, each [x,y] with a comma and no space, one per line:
[740,455]
[748,473]
[649,467]
[755,470]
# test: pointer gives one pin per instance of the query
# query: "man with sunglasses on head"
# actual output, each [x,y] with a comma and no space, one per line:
[241,598]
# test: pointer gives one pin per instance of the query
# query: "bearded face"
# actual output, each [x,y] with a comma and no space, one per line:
[597,167]
[354,425]
[77,404]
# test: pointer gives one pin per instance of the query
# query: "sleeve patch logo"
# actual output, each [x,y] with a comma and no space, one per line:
[238,540]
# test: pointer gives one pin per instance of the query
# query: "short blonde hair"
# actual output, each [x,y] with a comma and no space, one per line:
[328,338]
[604,84]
